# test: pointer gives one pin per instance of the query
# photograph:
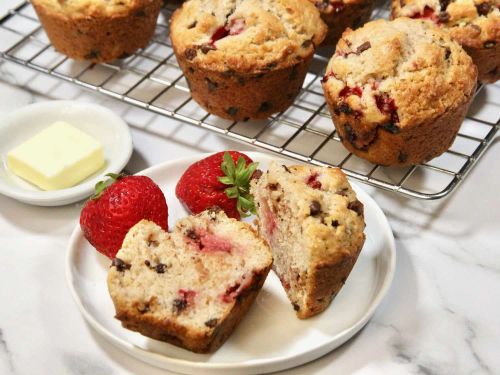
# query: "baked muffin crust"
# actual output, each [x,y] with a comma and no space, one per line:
[390,77]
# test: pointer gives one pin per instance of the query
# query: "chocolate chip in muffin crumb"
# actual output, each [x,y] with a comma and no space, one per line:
[265,106]
[212,86]
[315,208]
[489,44]
[391,128]
[120,265]
[444,4]
[161,268]
[335,223]
[447,53]
[272,187]
[211,323]
[356,206]
[483,9]
[147,263]
[363,47]
[179,305]
[306,43]
[232,111]
[296,307]
[443,17]
[190,53]
[193,25]
[206,48]
[93,54]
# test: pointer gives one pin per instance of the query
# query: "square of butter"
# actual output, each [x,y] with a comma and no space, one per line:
[58,157]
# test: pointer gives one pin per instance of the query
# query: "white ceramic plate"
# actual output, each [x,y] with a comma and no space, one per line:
[270,337]
[97,121]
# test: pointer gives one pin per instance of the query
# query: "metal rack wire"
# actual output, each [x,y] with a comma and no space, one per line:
[151,79]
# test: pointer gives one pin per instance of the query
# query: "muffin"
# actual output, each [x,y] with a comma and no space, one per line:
[314,223]
[341,14]
[475,24]
[248,58]
[190,287]
[98,30]
[398,90]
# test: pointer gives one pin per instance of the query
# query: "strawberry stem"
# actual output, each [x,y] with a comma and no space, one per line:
[238,178]
[102,185]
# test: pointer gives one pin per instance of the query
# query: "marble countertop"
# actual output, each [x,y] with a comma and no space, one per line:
[441,315]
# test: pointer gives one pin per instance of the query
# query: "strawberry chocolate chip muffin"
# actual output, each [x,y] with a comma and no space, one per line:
[190,287]
[475,24]
[341,14]
[98,30]
[245,58]
[314,223]
[398,90]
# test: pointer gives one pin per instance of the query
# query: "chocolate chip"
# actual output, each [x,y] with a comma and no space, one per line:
[306,43]
[256,175]
[264,107]
[447,53]
[351,136]
[363,47]
[125,55]
[191,70]
[343,108]
[93,54]
[272,187]
[120,265]
[160,268]
[191,233]
[241,80]
[286,168]
[179,305]
[443,17]
[356,206]
[391,128]
[211,84]
[232,111]
[444,4]
[147,263]
[402,157]
[193,25]
[335,223]
[190,53]
[296,307]
[483,9]
[140,13]
[206,48]
[211,323]
[315,208]
[293,73]
[489,44]
[272,65]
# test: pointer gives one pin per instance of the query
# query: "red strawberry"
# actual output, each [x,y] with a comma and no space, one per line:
[222,180]
[118,204]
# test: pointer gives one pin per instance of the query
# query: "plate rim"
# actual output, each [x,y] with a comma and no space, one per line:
[83,189]
[165,360]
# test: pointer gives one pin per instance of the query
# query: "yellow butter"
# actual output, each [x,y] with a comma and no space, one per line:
[58,157]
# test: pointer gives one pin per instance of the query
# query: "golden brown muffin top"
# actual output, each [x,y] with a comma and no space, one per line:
[399,73]
[73,8]
[473,23]
[246,35]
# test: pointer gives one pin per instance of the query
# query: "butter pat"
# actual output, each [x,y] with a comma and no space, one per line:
[58,157]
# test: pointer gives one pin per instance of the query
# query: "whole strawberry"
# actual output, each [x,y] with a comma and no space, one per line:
[222,180]
[118,204]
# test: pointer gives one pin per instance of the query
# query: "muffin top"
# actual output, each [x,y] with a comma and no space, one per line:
[246,35]
[331,7]
[473,23]
[398,73]
[92,7]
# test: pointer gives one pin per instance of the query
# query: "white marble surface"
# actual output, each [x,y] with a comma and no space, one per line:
[441,316]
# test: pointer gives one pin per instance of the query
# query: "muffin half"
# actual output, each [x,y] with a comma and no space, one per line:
[247,58]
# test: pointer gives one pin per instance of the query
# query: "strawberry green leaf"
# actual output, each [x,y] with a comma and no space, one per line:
[237,177]
[102,185]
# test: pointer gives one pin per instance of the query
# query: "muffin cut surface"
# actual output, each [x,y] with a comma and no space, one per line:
[314,225]
[190,287]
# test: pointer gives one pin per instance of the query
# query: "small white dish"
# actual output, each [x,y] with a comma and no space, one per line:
[97,121]
[270,337]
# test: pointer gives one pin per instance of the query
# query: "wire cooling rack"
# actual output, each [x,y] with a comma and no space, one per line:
[151,79]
